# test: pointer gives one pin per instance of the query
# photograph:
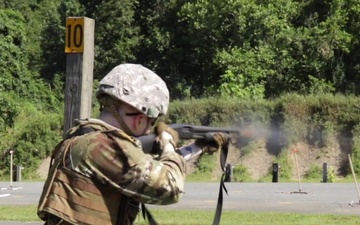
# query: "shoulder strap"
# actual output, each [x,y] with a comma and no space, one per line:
[78,132]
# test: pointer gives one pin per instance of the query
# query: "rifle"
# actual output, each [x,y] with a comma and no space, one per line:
[186,132]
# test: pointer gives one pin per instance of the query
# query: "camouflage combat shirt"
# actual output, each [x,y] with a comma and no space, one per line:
[113,158]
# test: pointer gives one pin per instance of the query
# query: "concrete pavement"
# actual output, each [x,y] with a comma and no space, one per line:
[314,198]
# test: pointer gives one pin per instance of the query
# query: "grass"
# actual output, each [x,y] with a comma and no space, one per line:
[18,213]
[197,217]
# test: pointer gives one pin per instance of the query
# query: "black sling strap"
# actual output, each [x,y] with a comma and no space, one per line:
[147,215]
[223,157]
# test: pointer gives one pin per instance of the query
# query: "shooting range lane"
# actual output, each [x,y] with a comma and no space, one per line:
[321,198]
[4,195]
[20,193]
[324,198]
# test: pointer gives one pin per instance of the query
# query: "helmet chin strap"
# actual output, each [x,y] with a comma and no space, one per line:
[120,120]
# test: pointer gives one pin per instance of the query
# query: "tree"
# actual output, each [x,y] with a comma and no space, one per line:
[117,35]
[15,77]
[54,14]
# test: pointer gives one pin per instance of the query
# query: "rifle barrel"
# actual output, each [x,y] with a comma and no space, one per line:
[192,128]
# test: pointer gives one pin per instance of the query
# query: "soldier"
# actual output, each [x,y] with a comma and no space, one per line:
[99,173]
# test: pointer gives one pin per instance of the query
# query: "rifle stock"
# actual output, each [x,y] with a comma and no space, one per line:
[186,132]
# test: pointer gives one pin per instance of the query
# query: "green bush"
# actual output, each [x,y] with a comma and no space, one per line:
[331,175]
[317,120]
[32,137]
[315,172]
[285,165]
[206,164]
[241,173]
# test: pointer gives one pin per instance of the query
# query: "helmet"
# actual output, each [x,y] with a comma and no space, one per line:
[137,86]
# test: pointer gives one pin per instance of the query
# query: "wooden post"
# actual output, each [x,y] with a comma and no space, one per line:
[298,174]
[354,176]
[297,170]
[79,46]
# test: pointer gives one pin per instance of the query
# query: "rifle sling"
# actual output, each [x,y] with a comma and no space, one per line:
[147,215]
[223,157]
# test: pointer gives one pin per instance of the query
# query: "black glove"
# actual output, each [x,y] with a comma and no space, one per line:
[162,127]
[213,145]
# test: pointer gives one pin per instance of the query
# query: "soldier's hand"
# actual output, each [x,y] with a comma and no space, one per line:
[165,134]
[210,146]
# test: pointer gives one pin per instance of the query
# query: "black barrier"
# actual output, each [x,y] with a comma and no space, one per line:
[275,173]
[325,173]
[17,173]
[228,173]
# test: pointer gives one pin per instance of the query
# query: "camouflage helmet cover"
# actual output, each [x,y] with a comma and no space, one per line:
[137,86]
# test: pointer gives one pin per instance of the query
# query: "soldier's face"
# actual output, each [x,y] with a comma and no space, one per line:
[137,122]
[142,125]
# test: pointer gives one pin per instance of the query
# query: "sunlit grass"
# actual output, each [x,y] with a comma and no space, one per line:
[203,217]
[18,213]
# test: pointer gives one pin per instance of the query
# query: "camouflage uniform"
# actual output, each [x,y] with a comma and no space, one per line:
[110,158]
[99,173]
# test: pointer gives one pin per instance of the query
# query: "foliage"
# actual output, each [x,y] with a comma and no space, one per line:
[206,164]
[279,63]
[331,175]
[320,86]
[239,48]
[320,121]
[235,85]
[9,109]
[314,172]
[251,144]
[117,35]
[355,156]
[13,60]
[285,165]
[32,138]
[241,174]
[31,14]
